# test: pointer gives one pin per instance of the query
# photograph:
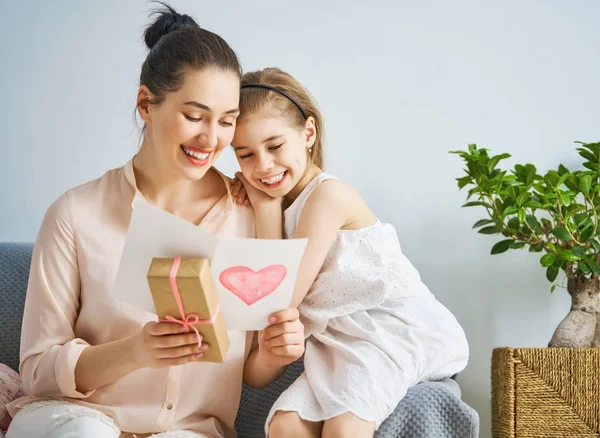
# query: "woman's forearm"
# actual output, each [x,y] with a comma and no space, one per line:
[103,364]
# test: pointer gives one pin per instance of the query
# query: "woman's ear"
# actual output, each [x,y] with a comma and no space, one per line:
[310,132]
[144,99]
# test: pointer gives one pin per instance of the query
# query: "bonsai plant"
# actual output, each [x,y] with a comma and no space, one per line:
[556,215]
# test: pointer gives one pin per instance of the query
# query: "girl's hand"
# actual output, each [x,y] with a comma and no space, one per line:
[238,191]
[245,193]
[163,344]
[282,342]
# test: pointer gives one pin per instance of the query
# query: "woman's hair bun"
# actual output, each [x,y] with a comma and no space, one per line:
[168,20]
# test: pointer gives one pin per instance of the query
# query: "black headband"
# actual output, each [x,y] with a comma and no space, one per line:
[277,90]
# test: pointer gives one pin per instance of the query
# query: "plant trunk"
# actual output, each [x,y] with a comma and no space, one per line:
[580,327]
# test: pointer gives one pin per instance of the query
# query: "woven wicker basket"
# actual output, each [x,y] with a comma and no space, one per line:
[546,392]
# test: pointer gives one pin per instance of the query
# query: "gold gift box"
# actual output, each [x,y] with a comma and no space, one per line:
[198,297]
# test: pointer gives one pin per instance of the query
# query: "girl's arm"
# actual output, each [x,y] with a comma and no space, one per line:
[332,206]
[282,342]
[268,210]
[269,220]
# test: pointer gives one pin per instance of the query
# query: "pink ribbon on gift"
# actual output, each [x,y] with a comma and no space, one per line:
[187,321]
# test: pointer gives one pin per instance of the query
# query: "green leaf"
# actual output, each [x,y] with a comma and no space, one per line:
[583,267]
[510,210]
[502,246]
[537,248]
[532,221]
[586,233]
[565,199]
[547,260]
[522,198]
[521,216]
[533,204]
[513,223]
[550,180]
[593,266]
[567,254]
[579,251]
[517,245]
[482,222]
[561,233]
[586,154]
[491,165]
[463,181]
[585,184]
[552,288]
[592,166]
[572,183]
[552,273]
[580,218]
[596,245]
[562,179]
[490,230]
[475,203]
[562,170]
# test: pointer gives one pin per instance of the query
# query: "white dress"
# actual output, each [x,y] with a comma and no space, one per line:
[373,328]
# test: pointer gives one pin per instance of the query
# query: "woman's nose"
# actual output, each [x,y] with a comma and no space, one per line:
[208,136]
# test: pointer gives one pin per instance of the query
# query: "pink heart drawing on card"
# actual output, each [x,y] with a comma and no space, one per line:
[251,286]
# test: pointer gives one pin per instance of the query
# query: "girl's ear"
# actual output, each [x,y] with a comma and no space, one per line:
[310,132]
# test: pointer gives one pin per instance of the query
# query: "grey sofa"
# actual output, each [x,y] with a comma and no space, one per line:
[430,409]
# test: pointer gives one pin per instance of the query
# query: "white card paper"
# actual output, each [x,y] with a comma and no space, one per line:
[243,269]
[255,266]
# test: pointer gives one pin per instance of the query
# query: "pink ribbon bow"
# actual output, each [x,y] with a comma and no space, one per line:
[187,321]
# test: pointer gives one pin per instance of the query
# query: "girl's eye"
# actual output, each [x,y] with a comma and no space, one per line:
[248,155]
[273,148]
[226,124]
[191,119]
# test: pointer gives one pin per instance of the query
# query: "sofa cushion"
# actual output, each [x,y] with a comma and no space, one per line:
[15,259]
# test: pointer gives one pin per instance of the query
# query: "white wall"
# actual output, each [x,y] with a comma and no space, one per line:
[400,84]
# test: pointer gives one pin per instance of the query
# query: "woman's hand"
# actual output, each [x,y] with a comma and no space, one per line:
[245,193]
[282,342]
[165,344]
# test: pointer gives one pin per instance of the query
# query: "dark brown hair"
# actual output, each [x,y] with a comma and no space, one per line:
[176,43]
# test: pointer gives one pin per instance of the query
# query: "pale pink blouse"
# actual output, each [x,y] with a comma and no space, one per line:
[70,306]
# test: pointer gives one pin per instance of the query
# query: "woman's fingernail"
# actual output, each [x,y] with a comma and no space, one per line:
[182,329]
[198,356]
[272,319]
[204,347]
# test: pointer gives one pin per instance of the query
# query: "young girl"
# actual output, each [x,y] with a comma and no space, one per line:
[373,328]
[98,368]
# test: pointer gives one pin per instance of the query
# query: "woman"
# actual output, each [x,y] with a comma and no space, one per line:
[96,367]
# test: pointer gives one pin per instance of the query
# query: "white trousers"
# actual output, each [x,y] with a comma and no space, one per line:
[58,419]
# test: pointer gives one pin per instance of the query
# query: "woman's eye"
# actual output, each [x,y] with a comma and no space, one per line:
[248,155]
[273,148]
[226,124]
[192,119]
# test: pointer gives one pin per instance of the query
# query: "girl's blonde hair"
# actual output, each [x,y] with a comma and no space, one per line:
[254,99]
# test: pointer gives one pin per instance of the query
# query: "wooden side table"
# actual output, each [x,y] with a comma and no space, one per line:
[546,392]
